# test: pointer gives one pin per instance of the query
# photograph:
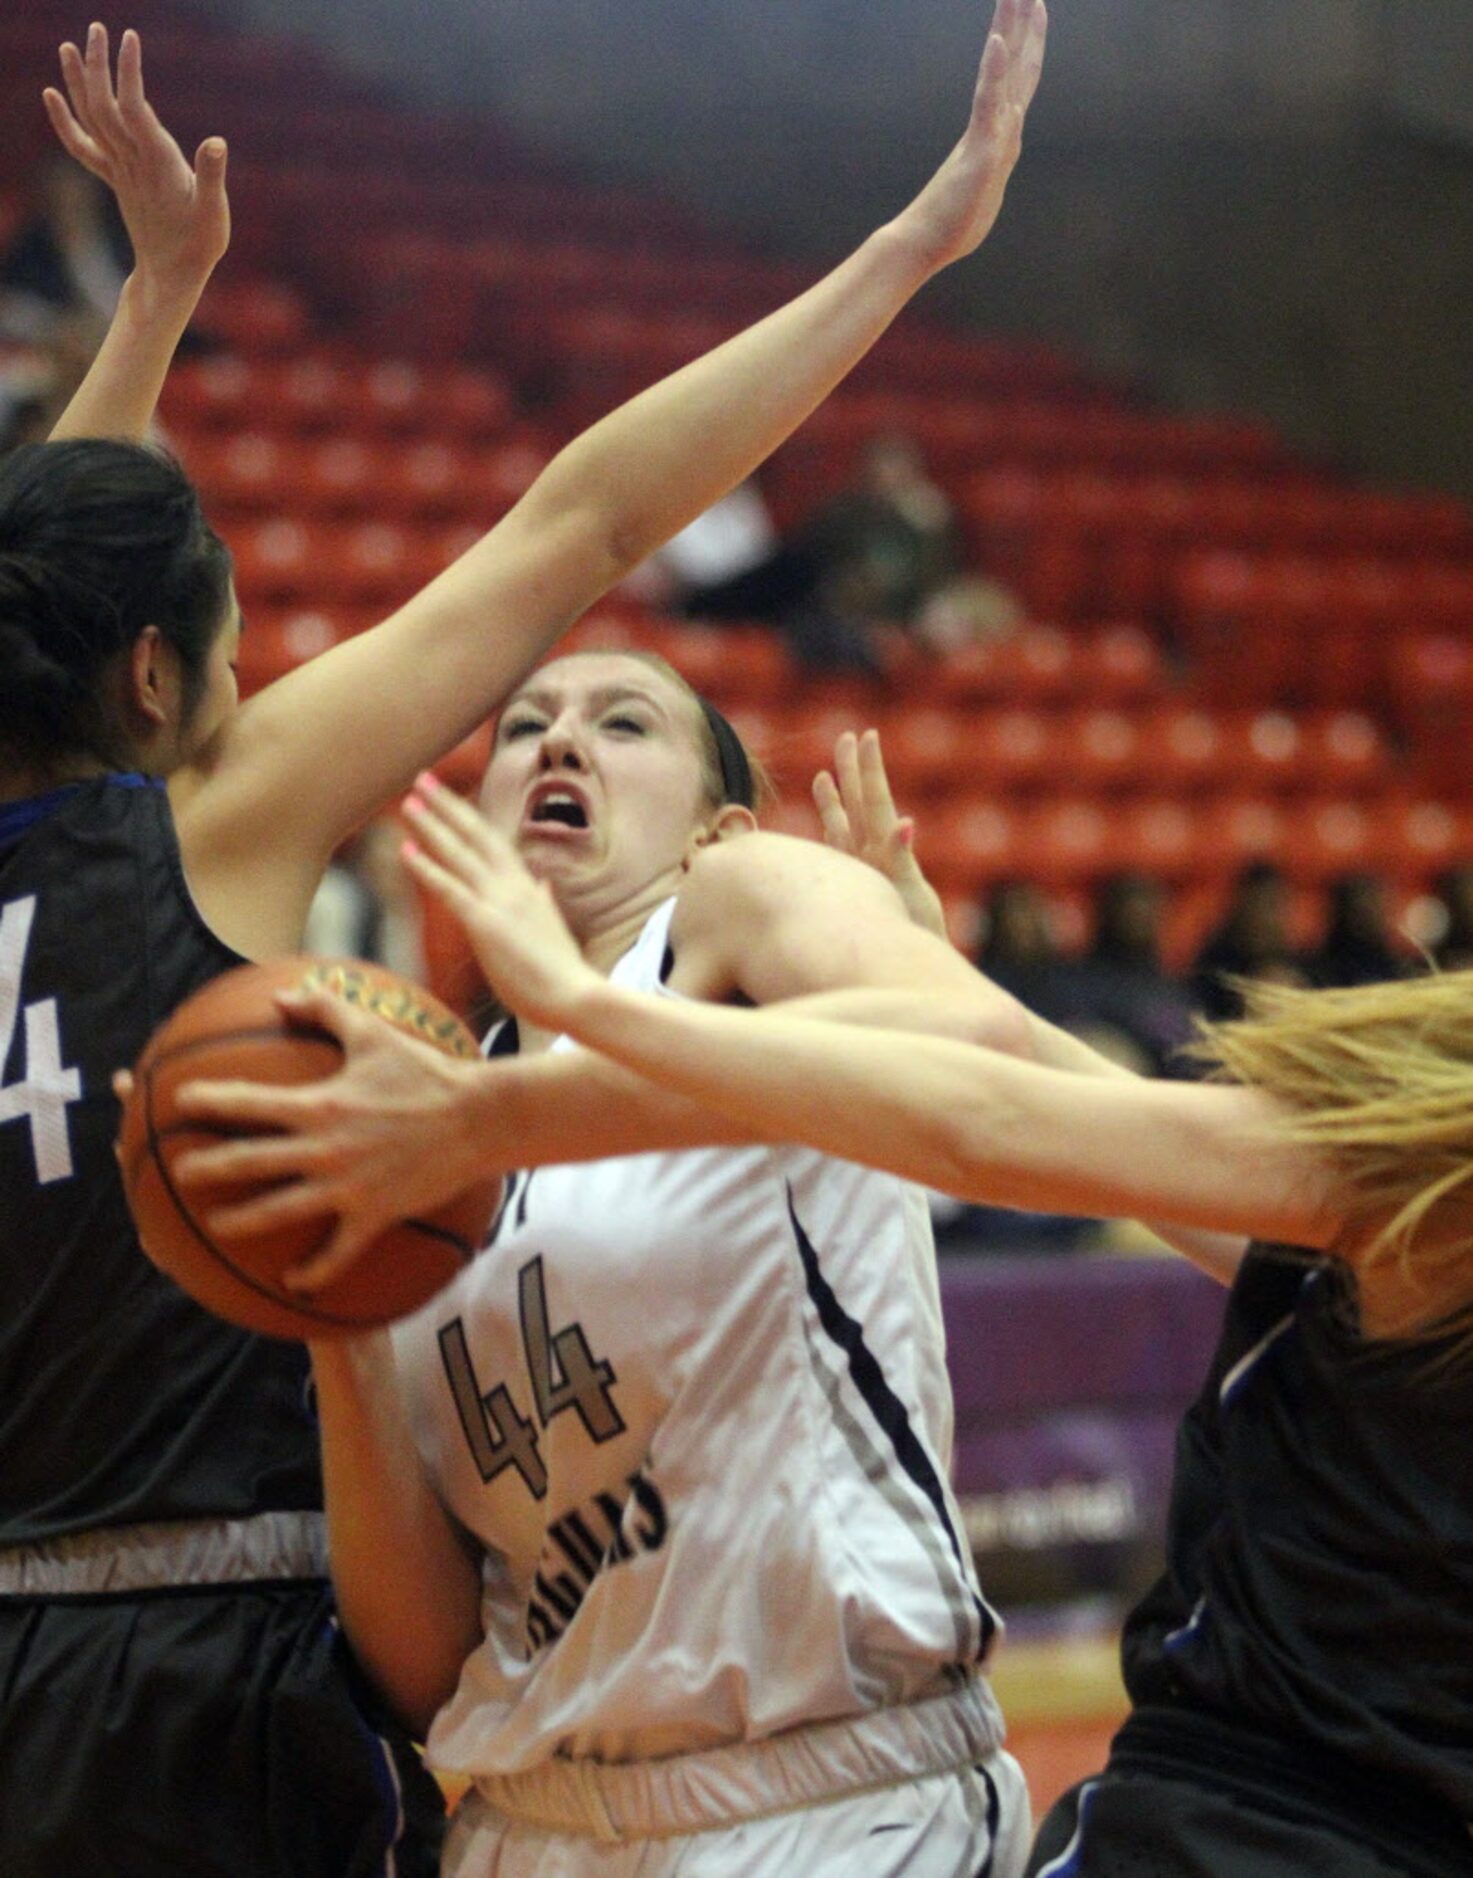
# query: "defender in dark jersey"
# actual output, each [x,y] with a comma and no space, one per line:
[174,1698]
[1302,1676]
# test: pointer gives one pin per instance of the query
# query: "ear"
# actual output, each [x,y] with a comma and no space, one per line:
[730,820]
[147,681]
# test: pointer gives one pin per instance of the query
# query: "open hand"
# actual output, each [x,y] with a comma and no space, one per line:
[177,214]
[859,818]
[955,211]
[383,1139]
[530,959]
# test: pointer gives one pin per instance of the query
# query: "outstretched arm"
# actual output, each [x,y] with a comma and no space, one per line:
[263,802]
[969,1121]
[177,217]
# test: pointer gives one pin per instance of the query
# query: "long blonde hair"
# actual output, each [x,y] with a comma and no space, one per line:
[1379,1079]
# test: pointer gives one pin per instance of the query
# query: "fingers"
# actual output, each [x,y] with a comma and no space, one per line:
[315,1007]
[452,892]
[259,1105]
[990,98]
[826,799]
[133,107]
[335,1258]
[256,1160]
[209,168]
[104,119]
[291,1205]
[874,785]
[1029,65]
[72,138]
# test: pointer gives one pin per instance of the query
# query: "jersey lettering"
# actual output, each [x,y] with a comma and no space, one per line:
[43,1094]
[583,1543]
[565,1374]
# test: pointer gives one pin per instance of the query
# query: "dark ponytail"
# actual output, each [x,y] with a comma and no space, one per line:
[98,539]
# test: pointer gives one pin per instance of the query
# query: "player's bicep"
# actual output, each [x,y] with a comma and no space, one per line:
[789,918]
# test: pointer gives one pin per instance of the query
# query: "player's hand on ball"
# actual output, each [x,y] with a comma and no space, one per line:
[859,818]
[520,938]
[382,1138]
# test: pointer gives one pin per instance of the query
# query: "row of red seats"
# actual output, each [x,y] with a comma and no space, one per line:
[1076,839]
[1179,749]
[1038,667]
[336,392]
[1279,511]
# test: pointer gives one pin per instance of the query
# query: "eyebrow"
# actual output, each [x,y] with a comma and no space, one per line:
[606,695]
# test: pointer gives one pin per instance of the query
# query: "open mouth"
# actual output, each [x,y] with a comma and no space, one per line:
[565,810]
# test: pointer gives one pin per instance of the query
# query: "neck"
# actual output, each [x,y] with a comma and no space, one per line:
[18,785]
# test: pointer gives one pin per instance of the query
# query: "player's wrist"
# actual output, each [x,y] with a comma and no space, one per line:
[161,297]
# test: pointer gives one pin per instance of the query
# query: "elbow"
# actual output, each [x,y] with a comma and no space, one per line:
[1001,1023]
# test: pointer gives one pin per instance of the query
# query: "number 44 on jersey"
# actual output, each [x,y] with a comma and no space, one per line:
[45,1088]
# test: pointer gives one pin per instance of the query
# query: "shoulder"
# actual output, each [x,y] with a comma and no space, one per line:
[750,880]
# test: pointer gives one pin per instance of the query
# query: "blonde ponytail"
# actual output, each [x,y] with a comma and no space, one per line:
[1379,1080]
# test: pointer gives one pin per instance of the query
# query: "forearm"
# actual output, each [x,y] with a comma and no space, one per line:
[408,1589]
[575,1105]
[120,393]
[976,1123]
[582,1106]
[656,463]
[1218,1254]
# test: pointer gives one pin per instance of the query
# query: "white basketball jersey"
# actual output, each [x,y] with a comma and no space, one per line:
[695,1407]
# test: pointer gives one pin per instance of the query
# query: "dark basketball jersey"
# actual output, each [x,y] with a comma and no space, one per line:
[1320,1541]
[120,1399]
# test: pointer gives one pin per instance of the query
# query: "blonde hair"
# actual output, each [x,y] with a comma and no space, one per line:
[1379,1080]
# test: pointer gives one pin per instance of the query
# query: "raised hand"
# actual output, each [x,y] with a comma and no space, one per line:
[177,214]
[524,947]
[859,818]
[957,208]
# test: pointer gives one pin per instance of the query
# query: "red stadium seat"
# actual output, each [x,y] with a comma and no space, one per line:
[965,844]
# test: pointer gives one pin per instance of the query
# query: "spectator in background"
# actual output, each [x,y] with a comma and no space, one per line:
[881,563]
[889,567]
[1359,946]
[1018,949]
[37,385]
[729,564]
[1454,950]
[67,261]
[1252,941]
[1121,985]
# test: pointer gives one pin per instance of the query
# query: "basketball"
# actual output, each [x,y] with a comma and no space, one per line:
[232,1028]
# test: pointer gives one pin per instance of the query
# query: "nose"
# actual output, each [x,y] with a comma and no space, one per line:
[562,746]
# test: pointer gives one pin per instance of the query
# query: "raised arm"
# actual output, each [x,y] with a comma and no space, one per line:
[177,218]
[389,701]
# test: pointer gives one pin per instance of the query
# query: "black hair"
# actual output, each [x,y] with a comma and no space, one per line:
[737,782]
[98,539]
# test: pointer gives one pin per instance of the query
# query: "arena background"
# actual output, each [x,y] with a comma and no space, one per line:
[1202,404]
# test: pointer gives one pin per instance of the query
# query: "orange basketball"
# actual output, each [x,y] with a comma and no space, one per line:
[232,1028]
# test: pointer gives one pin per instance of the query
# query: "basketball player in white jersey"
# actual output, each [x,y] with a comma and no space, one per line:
[662,1543]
